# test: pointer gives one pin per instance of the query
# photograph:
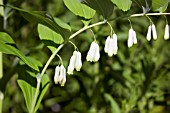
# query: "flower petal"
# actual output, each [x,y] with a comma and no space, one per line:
[96,53]
[130,37]
[56,76]
[154,32]
[62,77]
[78,63]
[134,37]
[166,34]
[148,37]
[107,44]
[71,65]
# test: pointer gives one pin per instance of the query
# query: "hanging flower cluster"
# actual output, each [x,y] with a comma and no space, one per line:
[93,54]
[111,48]
[151,29]
[60,75]
[132,37]
[75,62]
[111,45]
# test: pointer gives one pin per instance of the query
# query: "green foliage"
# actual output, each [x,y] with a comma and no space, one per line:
[104,8]
[81,10]
[28,88]
[8,48]
[123,4]
[160,5]
[136,80]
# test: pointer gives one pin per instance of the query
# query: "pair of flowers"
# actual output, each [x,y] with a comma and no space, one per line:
[110,48]
[60,71]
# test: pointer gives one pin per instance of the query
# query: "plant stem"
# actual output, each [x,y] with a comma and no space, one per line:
[1,101]
[1,65]
[51,58]
[151,14]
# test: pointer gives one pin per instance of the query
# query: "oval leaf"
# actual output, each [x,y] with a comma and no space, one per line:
[160,5]
[123,4]
[104,8]
[49,37]
[79,9]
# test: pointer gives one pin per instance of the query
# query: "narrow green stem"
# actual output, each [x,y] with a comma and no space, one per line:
[75,47]
[85,28]
[60,59]
[1,101]
[149,14]
[111,29]
[1,65]
[149,19]
[130,23]
[93,34]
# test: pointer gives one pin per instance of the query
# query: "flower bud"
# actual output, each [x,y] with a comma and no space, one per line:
[93,54]
[130,37]
[56,76]
[71,65]
[148,37]
[78,62]
[62,77]
[166,34]
[154,32]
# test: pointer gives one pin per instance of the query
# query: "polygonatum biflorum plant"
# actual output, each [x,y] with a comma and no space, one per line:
[56,34]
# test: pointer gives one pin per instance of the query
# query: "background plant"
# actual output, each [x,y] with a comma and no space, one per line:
[135,80]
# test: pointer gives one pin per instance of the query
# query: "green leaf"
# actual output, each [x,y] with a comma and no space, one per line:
[114,105]
[49,37]
[27,83]
[5,38]
[104,8]
[7,48]
[144,4]
[1,8]
[45,19]
[123,4]
[80,9]
[160,5]
[43,89]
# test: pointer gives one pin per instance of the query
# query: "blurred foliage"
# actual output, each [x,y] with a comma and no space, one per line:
[136,80]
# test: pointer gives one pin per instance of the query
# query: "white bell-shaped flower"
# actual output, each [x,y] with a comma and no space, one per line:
[60,75]
[134,38]
[93,54]
[106,47]
[148,36]
[78,62]
[166,34]
[71,65]
[57,74]
[154,33]
[111,45]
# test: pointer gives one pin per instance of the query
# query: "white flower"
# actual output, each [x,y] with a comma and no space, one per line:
[57,74]
[148,37]
[78,62]
[93,54]
[75,62]
[154,32]
[71,64]
[166,34]
[60,75]
[111,45]
[132,37]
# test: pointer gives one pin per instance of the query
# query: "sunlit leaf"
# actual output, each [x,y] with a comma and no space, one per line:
[123,4]
[27,83]
[160,5]
[79,9]
[49,37]
[104,8]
